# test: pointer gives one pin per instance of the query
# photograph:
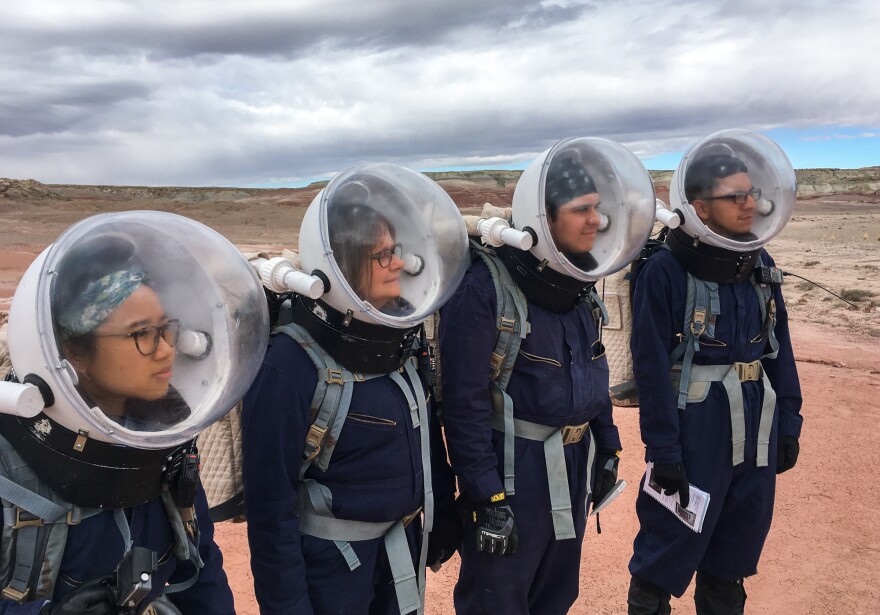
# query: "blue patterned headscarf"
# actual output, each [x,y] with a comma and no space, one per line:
[98,300]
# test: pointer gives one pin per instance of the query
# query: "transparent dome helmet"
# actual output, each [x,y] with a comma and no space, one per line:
[733,161]
[577,174]
[145,326]
[389,241]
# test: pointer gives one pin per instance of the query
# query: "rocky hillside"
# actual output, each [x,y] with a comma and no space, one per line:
[467,188]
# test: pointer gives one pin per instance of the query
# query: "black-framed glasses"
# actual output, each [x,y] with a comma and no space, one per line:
[146,339]
[384,256]
[739,198]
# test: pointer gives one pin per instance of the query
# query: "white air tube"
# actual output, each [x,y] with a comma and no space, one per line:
[413,264]
[765,207]
[672,219]
[20,399]
[278,275]
[497,232]
[195,344]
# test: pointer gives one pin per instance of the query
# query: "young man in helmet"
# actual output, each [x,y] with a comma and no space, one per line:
[527,415]
[709,315]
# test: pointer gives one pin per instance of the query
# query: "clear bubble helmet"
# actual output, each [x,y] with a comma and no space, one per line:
[626,205]
[769,170]
[141,329]
[389,242]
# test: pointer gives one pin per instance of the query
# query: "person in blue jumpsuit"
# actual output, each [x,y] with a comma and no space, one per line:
[376,476]
[559,383]
[77,507]
[694,444]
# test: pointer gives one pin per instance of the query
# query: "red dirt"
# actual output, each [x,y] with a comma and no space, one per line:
[823,553]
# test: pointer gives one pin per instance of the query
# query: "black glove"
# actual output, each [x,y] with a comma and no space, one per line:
[607,461]
[671,477]
[496,529]
[93,598]
[445,538]
[787,453]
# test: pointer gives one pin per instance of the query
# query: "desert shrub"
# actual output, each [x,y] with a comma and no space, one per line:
[857,294]
[811,263]
[804,286]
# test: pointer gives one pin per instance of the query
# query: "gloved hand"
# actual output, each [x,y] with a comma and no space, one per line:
[445,538]
[672,478]
[496,529]
[607,461]
[787,453]
[93,598]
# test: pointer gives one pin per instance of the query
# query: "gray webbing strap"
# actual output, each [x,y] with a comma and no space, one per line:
[511,311]
[768,408]
[316,517]
[406,586]
[331,400]
[557,473]
[184,548]
[726,374]
[25,499]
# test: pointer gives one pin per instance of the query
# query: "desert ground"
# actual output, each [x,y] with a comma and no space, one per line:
[823,553]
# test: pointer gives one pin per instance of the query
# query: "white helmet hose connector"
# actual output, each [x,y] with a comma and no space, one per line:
[590,204]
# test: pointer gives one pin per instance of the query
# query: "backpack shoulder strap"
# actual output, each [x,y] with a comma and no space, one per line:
[330,402]
[35,524]
[768,314]
[512,313]
[702,308]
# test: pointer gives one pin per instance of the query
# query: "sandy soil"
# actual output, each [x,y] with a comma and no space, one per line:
[823,553]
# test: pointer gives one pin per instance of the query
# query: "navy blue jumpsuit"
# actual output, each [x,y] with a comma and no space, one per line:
[95,547]
[375,474]
[555,381]
[666,552]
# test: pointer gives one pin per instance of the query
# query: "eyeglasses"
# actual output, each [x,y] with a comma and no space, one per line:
[384,256]
[146,339]
[739,198]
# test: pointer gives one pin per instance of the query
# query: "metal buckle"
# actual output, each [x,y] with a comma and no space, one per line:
[313,441]
[506,324]
[334,376]
[409,518]
[699,322]
[748,372]
[19,523]
[572,434]
[10,593]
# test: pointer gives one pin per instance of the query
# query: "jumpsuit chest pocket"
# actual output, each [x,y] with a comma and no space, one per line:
[536,358]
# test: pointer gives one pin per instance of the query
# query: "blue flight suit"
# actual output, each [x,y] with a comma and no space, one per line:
[375,474]
[555,381]
[95,547]
[666,552]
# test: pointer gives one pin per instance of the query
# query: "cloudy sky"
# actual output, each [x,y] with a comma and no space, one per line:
[273,93]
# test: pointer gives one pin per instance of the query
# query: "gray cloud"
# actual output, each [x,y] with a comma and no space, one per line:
[200,92]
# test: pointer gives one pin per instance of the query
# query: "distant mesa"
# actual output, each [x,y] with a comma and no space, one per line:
[467,188]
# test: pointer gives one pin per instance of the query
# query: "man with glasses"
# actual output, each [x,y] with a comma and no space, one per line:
[709,316]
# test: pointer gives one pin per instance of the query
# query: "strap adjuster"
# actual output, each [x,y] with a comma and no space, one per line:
[506,324]
[335,376]
[313,442]
[572,434]
[699,322]
[20,523]
[749,372]
[10,593]
[411,516]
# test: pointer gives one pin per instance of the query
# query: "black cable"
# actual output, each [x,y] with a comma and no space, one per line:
[820,286]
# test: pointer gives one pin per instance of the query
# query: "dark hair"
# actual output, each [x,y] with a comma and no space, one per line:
[354,232]
[566,180]
[85,263]
[703,174]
